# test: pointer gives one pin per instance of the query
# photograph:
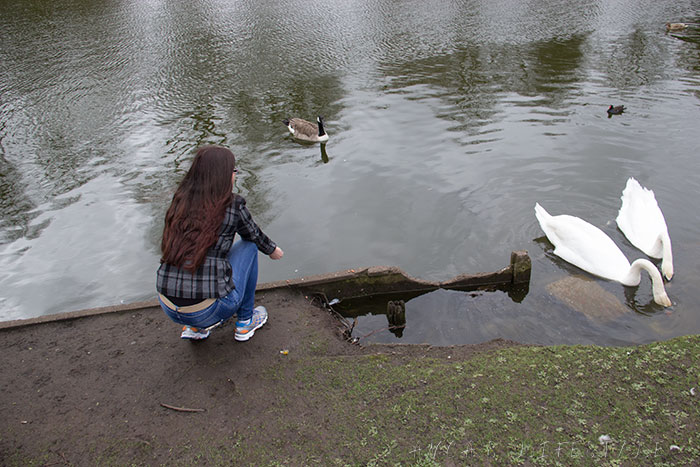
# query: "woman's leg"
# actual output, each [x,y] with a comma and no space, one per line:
[244,263]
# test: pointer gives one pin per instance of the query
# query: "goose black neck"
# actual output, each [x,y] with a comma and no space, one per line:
[321,131]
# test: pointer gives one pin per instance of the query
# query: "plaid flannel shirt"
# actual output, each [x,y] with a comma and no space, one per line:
[213,279]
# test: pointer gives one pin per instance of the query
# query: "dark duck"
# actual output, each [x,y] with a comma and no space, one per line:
[615,110]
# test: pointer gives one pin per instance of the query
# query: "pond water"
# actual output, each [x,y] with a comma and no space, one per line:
[448,120]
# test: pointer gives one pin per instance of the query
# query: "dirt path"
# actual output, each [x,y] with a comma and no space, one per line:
[92,389]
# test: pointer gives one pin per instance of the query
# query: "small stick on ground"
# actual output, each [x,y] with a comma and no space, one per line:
[64,462]
[140,441]
[180,409]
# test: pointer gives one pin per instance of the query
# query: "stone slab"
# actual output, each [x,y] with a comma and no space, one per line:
[587,297]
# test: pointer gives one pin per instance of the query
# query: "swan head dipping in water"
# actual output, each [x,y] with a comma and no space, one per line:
[643,223]
[589,248]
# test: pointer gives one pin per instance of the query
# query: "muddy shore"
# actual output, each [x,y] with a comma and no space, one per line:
[118,386]
[74,383]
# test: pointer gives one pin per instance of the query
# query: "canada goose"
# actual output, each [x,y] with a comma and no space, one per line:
[307,131]
[643,223]
[615,110]
[676,26]
[589,248]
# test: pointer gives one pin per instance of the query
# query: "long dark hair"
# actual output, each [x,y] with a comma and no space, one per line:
[199,204]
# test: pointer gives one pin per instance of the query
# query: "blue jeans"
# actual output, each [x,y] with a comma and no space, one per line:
[244,264]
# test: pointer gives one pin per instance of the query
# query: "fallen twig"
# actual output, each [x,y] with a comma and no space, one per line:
[140,441]
[180,409]
[64,462]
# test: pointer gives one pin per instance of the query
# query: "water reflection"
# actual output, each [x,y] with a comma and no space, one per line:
[418,313]
[308,145]
[689,56]
[396,316]
[15,207]
[638,59]
[472,80]
[324,154]
[447,317]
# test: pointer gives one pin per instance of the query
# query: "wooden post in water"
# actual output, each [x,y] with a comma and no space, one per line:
[396,316]
[521,264]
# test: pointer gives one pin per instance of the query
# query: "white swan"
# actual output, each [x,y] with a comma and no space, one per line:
[589,248]
[642,222]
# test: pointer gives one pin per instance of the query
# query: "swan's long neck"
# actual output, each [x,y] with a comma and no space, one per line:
[666,255]
[634,276]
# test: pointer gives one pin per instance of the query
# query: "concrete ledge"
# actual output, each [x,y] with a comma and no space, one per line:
[350,283]
[78,314]
[354,283]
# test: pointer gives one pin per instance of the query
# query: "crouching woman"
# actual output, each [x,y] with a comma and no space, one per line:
[204,277]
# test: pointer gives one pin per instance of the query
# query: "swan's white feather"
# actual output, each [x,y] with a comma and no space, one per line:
[644,225]
[583,245]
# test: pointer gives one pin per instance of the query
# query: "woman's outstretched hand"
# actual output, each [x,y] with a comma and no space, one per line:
[277,254]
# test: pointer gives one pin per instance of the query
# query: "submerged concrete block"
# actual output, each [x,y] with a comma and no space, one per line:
[587,297]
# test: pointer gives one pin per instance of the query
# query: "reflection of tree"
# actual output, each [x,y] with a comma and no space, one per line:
[195,128]
[689,53]
[556,67]
[473,79]
[15,206]
[638,59]
[244,67]
[231,80]
[59,93]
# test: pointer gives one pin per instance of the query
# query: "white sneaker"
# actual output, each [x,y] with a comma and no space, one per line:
[195,334]
[246,331]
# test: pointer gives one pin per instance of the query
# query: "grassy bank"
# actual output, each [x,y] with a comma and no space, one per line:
[517,405]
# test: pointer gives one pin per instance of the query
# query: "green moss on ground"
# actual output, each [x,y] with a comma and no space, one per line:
[540,405]
[518,405]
